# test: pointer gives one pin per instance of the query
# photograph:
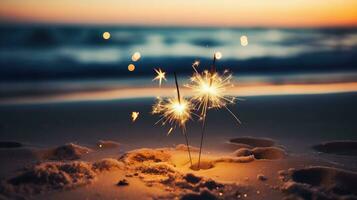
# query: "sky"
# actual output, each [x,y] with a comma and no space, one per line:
[221,13]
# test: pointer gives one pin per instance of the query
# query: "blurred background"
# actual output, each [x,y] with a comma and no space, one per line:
[56,47]
[54,51]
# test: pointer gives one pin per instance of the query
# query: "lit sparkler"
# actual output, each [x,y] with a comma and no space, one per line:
[209,91]
[176,112]
[173,112]
[160,75]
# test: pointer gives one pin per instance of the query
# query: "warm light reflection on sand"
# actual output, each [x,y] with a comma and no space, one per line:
[147,92]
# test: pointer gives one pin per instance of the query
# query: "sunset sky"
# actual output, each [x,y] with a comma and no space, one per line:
[267,13]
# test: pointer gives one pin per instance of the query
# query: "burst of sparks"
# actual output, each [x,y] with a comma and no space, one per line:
[209,90]
[173,111]
[160,75]
[134,116]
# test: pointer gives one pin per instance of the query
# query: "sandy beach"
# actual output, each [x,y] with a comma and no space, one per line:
[256,171]
[295,159]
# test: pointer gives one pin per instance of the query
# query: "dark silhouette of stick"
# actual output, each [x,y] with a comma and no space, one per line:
[182,129]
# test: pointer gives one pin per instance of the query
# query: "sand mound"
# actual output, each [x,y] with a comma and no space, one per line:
[183,147]
[107,164]
[338,147]
[322,183]
[155,168]
[270,153]
[253,142]
[145,155]
[242,159]
[66,152]
[204,164]
[107,144]
[9,144]
[209,164]
[242,152]
[51,176]
[189,186]
[204,195]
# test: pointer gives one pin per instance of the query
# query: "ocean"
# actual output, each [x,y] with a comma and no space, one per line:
[40,60]
[63,84]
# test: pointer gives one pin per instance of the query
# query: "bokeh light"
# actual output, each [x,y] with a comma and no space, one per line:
[244,40]
[218,55]
[106,35]
[131,67]
[136,56]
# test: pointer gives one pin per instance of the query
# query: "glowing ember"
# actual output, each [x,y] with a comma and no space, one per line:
[136,56]
[160,75]
[106,35]
[134,116]
[131,67]
[244,40]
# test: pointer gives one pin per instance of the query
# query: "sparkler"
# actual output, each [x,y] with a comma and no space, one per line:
[160,76]
[176,112]
[209,89]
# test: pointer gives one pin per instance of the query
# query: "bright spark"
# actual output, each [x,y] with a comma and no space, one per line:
[134,116]
[160,75]
[209,91]
[172,111]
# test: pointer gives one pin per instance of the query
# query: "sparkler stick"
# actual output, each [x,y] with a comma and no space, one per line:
[209,88]
[203,127]
[176,112]
[182,129]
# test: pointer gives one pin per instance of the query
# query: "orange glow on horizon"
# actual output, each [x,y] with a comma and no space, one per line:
[292,13]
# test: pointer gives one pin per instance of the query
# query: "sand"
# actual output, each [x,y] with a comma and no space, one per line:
[339,147]
[68,151]
[319,182]
[264,170]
